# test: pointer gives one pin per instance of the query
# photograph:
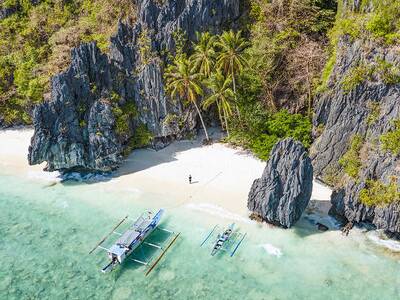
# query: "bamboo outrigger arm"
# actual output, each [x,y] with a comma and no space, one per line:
[112,231]
[162,254]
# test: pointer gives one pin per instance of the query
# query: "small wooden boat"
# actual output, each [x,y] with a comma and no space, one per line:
[222,239]
[226,240]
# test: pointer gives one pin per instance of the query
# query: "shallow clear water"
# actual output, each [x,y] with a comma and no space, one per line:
[47,231]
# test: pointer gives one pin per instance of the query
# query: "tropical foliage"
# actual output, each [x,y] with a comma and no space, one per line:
[378,193]
[269,128]
[185,83]
[289,39]
[211,67]
[216,75]
[204,54]
[391,140]
[221,95]
[231,58]
[351,161]
[35,43]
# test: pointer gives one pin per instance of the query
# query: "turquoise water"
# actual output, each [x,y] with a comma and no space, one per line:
[47,231]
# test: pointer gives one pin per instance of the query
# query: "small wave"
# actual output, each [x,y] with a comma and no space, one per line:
[45,176]
[272,250]
[378,238]
[217,211]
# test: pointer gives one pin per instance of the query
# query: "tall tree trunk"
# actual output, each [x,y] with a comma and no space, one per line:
[226,123]
[201,119]
[221,119]
[234,91]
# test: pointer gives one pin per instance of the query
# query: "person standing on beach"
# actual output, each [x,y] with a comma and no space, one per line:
[190,179]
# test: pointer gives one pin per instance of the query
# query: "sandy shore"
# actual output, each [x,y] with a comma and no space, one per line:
[14,144]
[222,176]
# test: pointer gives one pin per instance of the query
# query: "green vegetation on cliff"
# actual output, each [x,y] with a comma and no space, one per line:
[391,141]
[35,44]
[378,193]
[383,22]
[289,39]
[375,20]
[351,161]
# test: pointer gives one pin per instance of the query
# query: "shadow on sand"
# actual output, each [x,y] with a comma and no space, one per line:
[142,159]
[139,160]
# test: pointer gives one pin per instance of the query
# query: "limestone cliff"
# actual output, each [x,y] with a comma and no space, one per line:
[104,105]
[359,106]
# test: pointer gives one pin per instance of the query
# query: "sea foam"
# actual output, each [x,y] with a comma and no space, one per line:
[377,237]
[216,210]
[272,250]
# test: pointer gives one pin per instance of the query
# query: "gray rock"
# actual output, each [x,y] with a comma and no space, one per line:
[344,114]
[157,24]
[6,12]
[322,227]
[77,128]
[283,192]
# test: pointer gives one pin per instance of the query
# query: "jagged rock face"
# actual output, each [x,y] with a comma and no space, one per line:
[283,192]
[77,128]
[190,16]
[368,111]
[345,114]
[157,24]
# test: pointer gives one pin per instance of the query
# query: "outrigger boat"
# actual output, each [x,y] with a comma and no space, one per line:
[132,238]
[226,240]
[222,238]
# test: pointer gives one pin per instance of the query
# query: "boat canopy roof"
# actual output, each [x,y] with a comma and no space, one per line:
[117,250]
[128,237]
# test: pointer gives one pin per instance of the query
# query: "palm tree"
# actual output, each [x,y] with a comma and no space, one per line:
[183,81]
[231,58]
[204,53]
[221,95]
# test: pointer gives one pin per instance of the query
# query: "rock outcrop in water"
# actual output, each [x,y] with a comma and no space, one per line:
[365,111]
[283,192]
[104,105]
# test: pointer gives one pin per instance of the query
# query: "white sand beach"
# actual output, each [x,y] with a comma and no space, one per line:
[222,176]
